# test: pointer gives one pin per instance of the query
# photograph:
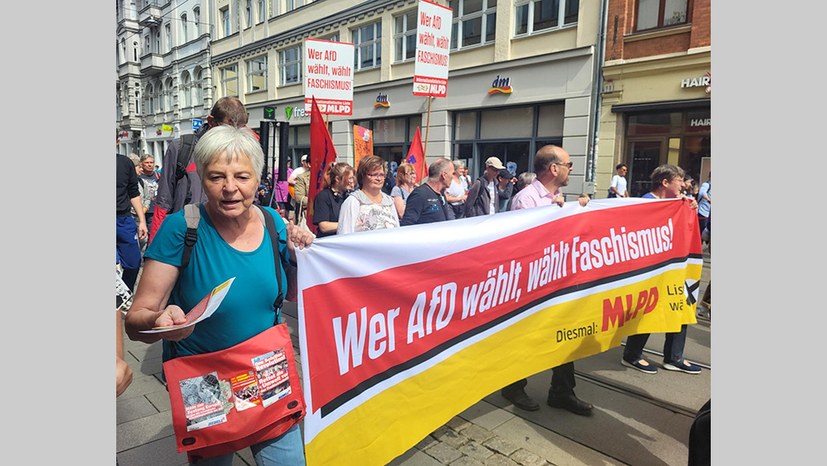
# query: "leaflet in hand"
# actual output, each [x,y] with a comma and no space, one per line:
[201,311]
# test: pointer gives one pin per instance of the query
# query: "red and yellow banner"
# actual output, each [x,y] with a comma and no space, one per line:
[402,329]
[362,144]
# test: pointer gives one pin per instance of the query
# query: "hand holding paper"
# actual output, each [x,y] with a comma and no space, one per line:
[203,310]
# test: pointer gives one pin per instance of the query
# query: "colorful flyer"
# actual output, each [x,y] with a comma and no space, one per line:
[245,391]
[273,379]
[203,404]
[204,309]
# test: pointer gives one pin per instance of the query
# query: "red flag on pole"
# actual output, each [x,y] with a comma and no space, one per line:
[322,155]
[416,157]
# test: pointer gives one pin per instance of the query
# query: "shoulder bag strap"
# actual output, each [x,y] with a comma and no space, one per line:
[274,240]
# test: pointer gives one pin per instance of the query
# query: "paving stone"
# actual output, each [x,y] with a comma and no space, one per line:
[133,408]
[466,461]
[448,436]
[159,399]
[498,460]
[527,458]
[500,445]
[477,433]
[475,450]
[148,366]
[157,453]
[414,457]
[141,385]
[457,423]
[144,430]
[443,453]
[426,443]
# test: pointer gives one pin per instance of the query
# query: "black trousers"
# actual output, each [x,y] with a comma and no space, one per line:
[562,380]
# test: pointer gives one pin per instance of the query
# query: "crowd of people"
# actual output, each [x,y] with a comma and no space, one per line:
[223,176]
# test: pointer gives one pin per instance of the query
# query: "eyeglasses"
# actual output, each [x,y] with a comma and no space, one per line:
[567,164]
[375,175]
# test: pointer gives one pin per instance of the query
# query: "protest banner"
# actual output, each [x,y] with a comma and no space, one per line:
[362,144]
[433,44]
[328,76]
[399,333]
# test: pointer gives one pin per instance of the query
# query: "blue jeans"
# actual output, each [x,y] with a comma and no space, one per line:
[285,450]
[127,248]
[672,346]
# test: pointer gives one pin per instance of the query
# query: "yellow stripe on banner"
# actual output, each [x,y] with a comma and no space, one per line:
[396,419]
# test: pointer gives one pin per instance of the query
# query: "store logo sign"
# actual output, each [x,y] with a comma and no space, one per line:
[381,101]
[500,86]
[701,81]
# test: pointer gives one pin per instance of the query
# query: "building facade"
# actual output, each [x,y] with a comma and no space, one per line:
[656,96]
[521,75]
[164,87]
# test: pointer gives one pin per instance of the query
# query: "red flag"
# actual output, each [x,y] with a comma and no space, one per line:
[416,157]
[322,155]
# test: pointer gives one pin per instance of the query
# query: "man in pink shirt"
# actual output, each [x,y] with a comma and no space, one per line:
[552,164]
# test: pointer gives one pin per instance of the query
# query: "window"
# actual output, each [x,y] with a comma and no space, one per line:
[248,13]
[184,35]
[147,49]
[404,36]
[167,97]
[257,74]
[290,5]
[167,37]
[660,13]
[290,65]
[368,50]
[135,50]
[262,11]
[225,21]
[229,80]
[196,19]
[148,100]
[197,84]
[540,15]
[474,22]
[186,89]
[157,48]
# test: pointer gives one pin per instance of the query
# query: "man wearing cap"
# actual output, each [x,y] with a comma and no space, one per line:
[291,180]
[483,197]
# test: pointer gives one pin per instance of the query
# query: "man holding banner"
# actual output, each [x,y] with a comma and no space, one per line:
[552,165]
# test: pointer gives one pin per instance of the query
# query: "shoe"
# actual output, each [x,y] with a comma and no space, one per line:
[520,399]
[648,369]
[571,403]
[682,366]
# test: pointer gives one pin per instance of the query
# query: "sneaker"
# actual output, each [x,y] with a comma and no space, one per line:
[682,366]
[646,369]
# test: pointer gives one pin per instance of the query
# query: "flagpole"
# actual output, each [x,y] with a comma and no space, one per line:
[427,126]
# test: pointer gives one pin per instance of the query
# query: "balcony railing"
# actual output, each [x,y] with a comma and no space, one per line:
[152,63]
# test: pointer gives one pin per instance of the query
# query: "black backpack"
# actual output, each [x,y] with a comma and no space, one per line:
[184,152]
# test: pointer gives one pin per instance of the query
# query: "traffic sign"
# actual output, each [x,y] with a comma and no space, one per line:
[269,113]
[196,124]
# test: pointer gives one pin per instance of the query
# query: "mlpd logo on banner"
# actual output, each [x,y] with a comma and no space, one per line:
[500,86]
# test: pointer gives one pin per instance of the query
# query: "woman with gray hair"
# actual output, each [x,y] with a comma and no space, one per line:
[232,242]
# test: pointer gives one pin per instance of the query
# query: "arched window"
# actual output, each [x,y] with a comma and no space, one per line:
[186,90]
[196,18]
[198,85]
[135,51]
[169,102]
[184,36]
[148,99]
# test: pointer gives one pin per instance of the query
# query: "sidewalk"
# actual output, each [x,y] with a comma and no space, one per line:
[638,419]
